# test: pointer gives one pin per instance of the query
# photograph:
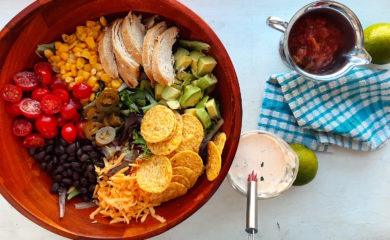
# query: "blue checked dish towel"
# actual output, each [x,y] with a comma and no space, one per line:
[351,112]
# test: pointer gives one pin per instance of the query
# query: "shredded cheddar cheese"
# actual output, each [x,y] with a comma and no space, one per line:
[119,197]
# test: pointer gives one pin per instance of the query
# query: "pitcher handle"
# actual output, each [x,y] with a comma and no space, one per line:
[277,23]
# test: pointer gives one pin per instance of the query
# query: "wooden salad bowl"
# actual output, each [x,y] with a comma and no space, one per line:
[21,181]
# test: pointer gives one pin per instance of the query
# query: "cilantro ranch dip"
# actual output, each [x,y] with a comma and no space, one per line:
[275,163]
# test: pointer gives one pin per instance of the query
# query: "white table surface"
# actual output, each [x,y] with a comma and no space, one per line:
[349,198]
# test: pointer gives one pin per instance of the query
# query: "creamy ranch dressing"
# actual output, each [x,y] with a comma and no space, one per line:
[279,164]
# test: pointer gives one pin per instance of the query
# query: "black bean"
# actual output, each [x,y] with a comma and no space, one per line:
[49,148]
[94,144]
[31,151]
[91,188]
[87,148]
[84,158]
[83,182]
[58,178]
[76,183]
[65,174]
[83,190]
[93,155]
[50,166]
[71,159]
[70,172]
[66,165]
[55,160]
[79,152]
[59,150]
[100,164]
[75,175]
[77,145]
[67,181]
[90,168]
[40,155]
[75,165]
[43,166]
[59,169]
[54,187]
[63,157]
[47,158]
[71,148]
[91,177]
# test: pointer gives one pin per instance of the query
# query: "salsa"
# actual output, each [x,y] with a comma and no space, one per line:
[314,42]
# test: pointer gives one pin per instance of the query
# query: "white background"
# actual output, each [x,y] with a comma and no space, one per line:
[349,198]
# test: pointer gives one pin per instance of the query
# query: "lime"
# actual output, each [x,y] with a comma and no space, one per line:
[377,42]
[308,164]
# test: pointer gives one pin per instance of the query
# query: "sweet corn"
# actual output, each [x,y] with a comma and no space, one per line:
[76,58]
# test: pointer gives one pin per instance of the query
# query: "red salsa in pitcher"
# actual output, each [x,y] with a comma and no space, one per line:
[314,42]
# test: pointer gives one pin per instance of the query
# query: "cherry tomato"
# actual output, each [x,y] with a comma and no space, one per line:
[22,127]
[30,108]
[11,93]
[34,140]
[76,102]
[82,90]
[79,129]
[47,126]
[51,104]
[60,122]
[13,109]
[27,81]
[68,111]
[69,132]
[63,94]
[76,118]
[38,93]
[57,83]
[44,71]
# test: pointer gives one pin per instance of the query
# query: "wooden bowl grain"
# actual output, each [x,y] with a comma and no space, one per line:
[27,188]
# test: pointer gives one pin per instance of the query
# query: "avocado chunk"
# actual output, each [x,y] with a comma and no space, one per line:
[191,111]
[183,76]
[204,82]
[183,62]
[180,52]
[170,93]
[173,104]
[163,102]
[195,55]
[178,87]
[212,109]
[202,103]
[158,89]
[194,45]
[191,96]
[203,117]
[206,65]
[211,88]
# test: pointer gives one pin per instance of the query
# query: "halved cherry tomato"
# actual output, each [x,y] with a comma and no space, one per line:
[69,132]
[22,127]
[30,108]
[34,140]
[13,109]
[57,83]
[44,72]
[38,93]
[63,94]
[76,102]
[11,93]
[51,104]
[27,81]
[47,126]
[68,111]
[82,90]
[79,129]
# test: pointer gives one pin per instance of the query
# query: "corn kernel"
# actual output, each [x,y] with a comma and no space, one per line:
[85,74]
[116,83]
[65,37]
[96,87]
[57,45]
[83,36]
[93,71]
[55,59]
[81,45]
[71,85]
[73,69]
[62,69]
[80,62]
[97,66]
[63,48]
[66,75]
[99,74]
[48,53]
[60,63]
[84,101]
[67,66]
[64,56]
[85,54]
[77,54]
[103,21]
[90,23]
[79,79]
[91,81]
[69,79]
[105,78]
[93,60]
[87,67]
[72,38]
[101,35]
[92,97]
[90,42]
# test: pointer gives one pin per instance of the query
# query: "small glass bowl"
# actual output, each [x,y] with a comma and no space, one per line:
[292,166]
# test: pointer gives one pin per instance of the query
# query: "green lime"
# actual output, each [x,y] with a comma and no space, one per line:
[308,164]
[377,42]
